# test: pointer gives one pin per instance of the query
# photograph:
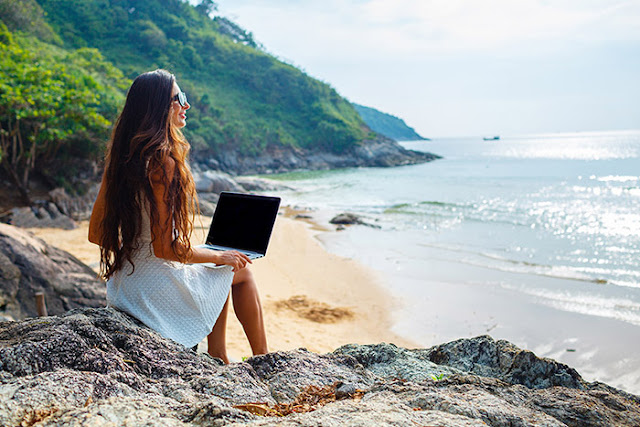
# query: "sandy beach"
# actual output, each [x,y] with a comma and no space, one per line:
[311,298]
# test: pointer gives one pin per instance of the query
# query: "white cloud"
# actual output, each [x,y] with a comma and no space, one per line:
[346,28]
[494,23]
[464,66]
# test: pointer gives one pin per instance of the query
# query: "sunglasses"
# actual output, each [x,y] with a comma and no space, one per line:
[181,97]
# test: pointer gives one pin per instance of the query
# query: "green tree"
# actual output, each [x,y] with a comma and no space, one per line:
[207,7]
[151,35]
[44,104]
[27,15]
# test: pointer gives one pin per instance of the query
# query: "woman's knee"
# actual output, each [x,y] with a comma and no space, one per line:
[242,276]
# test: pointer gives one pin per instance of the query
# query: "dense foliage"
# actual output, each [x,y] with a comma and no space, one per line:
[53,103]
[66,65]
[27,16]
[242,97]
[386,124]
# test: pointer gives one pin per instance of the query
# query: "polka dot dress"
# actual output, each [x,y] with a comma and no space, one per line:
[180,301]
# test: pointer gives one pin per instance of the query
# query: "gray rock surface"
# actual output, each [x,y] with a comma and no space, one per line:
[503,360]
[98,367]
[215,182]
[209,184]
[390,361]
[206,207]
[28,265]
[381,152]
[44,215]
[251,183]
[347,218]
[76,207]
[289,373]
[59,210]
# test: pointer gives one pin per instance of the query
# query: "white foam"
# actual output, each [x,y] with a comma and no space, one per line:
[618,178]
[622,309]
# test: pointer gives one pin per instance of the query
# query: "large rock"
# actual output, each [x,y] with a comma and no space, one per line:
[41,215]
[59,210]
[215,182]
[77,207]
[252,183]
[347,218]
[100,367]
[501,359]
[290,373]
[28,265]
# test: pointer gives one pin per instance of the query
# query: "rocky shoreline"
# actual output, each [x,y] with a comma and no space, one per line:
[223,172]
[100,367]
[381,152]
[60,210]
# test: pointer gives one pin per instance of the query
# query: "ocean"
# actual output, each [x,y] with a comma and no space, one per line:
[530,238]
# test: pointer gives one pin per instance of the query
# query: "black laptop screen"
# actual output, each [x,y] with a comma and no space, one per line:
[243,221]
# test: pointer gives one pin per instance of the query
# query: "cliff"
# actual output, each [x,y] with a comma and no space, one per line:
[388,125]
[379,152]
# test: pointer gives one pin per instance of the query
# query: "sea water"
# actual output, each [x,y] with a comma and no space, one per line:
[535,237]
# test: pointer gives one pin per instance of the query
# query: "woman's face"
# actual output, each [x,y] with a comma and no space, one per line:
[177,113]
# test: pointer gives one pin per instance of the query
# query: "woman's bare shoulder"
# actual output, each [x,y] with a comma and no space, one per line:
[164,171]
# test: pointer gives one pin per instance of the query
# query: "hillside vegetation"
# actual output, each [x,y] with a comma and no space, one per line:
[242,97]
[66,65]
[55,104]
[387,125]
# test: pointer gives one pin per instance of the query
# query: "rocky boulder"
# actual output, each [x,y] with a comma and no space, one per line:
[210,183]
[101,367]
[59,210]
[347,218]
[28,265]
[40,215]
[215,182]
[251,183]
[78,207]
[503,360]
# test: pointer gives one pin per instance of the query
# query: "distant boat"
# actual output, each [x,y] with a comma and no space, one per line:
[491,138]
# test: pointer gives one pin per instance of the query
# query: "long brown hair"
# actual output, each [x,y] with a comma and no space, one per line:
[143,139]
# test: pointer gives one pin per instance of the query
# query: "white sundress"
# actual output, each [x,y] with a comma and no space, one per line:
[180,301]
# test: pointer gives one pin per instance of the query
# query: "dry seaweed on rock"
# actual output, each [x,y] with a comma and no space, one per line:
[312,398]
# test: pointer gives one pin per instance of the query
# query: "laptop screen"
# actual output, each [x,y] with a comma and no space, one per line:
[243,221]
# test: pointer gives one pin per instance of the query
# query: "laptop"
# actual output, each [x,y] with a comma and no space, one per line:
[242,222]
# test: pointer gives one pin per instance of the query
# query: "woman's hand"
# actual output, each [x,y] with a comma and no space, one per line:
[235,259]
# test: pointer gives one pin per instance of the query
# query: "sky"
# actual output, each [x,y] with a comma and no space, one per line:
[465,67]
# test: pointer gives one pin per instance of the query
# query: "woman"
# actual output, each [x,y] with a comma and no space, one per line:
[143,219]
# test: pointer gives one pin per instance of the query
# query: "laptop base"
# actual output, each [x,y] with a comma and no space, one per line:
[252,255]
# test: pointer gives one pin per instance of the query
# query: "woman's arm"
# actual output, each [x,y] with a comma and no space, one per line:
[163,229]
[97,215]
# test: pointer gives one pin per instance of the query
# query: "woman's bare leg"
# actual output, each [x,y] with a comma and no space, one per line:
[246,304]
[217,339]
